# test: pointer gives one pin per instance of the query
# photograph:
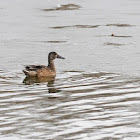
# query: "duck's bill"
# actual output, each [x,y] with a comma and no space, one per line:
[60,57]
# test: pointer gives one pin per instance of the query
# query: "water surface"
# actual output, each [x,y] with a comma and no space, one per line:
[96,93]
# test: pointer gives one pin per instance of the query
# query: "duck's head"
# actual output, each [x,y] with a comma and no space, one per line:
[53,55]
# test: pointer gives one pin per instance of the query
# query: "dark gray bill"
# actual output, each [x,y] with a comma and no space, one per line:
[60,57]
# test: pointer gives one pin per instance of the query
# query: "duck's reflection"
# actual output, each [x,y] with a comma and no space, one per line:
[32,80]
[49,80]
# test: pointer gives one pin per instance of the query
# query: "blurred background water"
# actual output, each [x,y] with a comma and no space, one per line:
[96,93]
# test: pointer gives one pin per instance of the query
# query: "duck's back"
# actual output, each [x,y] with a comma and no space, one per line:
[35,67]
[39,71]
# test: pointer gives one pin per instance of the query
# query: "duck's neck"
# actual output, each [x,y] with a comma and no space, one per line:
[51,65]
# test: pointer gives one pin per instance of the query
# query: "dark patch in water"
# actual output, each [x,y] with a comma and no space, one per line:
[51,41]
[41,41]
[113,36]
[64,7]
[60,27]
[119,36]
[113,44]
[101,36]
[76,26]
[1,71]
[120,25]
[56,41]
[86,26]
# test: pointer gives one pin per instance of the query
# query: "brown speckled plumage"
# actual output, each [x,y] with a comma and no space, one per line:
[41,70]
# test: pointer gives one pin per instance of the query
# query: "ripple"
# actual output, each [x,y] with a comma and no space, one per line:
[92,105]
[113,44]
[64,7]
[120,36]
[76,26]
[57,41]
[120,25]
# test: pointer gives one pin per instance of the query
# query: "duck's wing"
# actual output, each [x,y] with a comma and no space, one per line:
[34,67]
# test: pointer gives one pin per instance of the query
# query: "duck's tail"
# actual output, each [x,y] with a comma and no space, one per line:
[30,73]
[26,72]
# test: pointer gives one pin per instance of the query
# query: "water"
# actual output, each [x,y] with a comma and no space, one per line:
[96,93]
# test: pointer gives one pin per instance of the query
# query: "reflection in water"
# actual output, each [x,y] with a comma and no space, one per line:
[49,80]
[32,80]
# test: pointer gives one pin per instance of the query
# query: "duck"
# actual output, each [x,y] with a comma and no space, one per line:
[42,70]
